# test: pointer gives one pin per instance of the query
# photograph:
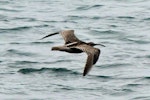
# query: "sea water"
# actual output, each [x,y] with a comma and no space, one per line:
[29,70]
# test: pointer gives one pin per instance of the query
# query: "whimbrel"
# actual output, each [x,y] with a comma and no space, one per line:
[74,45]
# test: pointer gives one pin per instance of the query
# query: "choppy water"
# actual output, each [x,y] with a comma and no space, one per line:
[31,71]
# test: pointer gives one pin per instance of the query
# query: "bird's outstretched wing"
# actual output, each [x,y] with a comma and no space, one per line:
[93,55]
[69,37]
[96,55]
[88,65]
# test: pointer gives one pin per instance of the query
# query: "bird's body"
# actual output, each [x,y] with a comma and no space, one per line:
[74,45]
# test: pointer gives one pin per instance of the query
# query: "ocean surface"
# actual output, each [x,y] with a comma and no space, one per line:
[29,70]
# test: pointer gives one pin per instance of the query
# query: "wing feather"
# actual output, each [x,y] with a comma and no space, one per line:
[88,65]
[96,55]
[93,55]
[69,37]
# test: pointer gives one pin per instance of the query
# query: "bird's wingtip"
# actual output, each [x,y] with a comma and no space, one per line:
[84,73]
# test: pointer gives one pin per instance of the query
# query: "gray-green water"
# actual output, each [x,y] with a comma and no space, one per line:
[29,70]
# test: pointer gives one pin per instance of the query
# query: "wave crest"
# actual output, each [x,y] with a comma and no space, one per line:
[41,70]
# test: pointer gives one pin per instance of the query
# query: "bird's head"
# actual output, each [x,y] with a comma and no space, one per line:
[93,44]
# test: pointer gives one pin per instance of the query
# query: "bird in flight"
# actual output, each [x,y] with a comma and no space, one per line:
[74,45]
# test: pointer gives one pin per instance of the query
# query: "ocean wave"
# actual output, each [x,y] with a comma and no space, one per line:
[76,17]
[126,17]
[2,17]
[4,2]
[110,32]
[146,77]
[115,65]
[133,85]
[17,52]
[119,92]
[143,56]
[146,19]
[25,19]
[41,70]
[142,98]
[15,43]
[140,41]
[19,28]
[25,62]
[106,32]
[45,42]
[87,7]
[104,77]
[9,10]
[16,28]
[31,43]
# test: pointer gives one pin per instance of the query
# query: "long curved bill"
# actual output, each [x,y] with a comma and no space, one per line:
[49,35]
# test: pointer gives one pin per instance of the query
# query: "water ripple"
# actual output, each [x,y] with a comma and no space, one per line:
[142,98]
[121,73]
[9,10]
[104,77]
[26,62]
[31,43]
[148,19]
[115,65]
[17,52]
[20,28]
[126,17]
[15,28]
[138,41]
[55,70]
[87,7]
[134,85]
